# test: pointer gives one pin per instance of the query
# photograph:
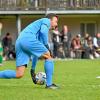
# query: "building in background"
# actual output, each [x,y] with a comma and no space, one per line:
[81,16]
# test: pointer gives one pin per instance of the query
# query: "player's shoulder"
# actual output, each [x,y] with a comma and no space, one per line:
[46,21]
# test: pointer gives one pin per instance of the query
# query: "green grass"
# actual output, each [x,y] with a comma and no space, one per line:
[76,78]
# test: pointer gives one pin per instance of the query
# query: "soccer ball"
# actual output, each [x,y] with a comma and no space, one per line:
[41,78]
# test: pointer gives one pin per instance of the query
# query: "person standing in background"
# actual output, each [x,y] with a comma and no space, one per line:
[7,45]
[66,40]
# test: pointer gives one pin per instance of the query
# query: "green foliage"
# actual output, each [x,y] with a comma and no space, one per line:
[76,78]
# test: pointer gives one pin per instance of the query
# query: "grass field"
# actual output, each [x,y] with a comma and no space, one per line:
[76,78]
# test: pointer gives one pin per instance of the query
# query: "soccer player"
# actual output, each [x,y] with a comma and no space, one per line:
[28,44]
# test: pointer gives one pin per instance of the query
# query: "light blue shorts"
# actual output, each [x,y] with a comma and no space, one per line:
[26,48]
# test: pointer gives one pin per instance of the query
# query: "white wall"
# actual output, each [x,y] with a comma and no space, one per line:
[9,25]
[73,22]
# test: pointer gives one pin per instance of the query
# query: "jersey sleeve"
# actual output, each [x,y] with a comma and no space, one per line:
[44,31]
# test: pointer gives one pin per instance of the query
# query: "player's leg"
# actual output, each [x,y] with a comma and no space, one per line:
[38,49]
[48,66]
[42,50]
[12,73]
[8,74]
[22,59]
[49,69]
[34,62]
[32,71]
[20,71]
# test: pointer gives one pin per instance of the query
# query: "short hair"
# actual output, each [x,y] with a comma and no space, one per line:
[51,15]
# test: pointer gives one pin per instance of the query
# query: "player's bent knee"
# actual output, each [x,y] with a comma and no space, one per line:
[47,55]
[19,75]
[20,72]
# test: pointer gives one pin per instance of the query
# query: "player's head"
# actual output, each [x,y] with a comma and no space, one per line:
[54,20]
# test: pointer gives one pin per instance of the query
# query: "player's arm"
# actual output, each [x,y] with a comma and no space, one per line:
[44,36]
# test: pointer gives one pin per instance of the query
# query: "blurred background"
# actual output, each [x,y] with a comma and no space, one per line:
[78,31]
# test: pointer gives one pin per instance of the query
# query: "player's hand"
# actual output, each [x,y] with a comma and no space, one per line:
[51,54]
[47,46]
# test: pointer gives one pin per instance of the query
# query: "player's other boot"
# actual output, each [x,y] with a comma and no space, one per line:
[53,86]
[32,72]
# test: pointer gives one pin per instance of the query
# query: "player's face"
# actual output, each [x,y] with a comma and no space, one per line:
[54,22]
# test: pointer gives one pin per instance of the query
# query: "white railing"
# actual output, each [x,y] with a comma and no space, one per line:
[49,4]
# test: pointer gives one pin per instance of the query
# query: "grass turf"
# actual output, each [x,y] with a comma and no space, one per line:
[76,79]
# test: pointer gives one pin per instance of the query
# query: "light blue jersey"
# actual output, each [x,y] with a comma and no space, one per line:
[28,42]
[36,30]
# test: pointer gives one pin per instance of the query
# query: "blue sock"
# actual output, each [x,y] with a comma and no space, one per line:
[49,68]
[8,74]
[34,62]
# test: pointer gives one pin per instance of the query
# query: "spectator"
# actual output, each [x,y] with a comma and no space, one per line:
[7,45]
[51,44]
[96,43]
[66,40]
[61,53]
[86,39]
[89,48]
[56,41]
[85,54]
[76,47]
